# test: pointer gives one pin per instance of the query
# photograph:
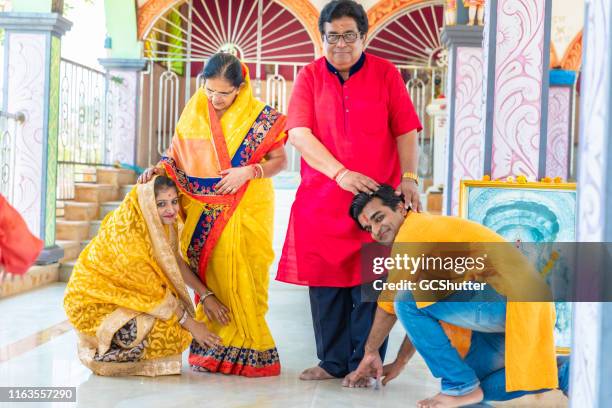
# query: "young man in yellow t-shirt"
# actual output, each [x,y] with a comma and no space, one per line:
[481,345]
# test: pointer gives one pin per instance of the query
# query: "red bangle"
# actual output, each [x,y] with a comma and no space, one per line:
[338,173]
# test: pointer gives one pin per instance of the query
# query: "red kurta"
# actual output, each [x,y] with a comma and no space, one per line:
[18,247]
[357,122]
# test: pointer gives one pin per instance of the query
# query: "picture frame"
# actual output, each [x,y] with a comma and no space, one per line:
[526,212]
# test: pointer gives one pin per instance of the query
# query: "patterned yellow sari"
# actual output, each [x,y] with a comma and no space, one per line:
[227,239]
[124,290]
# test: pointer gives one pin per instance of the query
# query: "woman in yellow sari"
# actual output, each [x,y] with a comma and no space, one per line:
[226,146]
[127,297]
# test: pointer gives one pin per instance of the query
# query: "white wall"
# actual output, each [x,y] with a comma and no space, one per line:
[84,43]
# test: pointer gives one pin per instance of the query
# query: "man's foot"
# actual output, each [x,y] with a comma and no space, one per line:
[315,373]
[360,383]
[448,401]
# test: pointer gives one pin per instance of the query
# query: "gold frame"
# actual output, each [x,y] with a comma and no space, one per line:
[536,185]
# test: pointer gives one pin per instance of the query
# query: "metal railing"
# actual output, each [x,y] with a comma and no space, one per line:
[424,84]
[10,129]
[84,125]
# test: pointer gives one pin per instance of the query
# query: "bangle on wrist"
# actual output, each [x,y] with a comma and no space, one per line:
[257,171]
[261,171]
[341,176]
[206,294]
[340,170]
[183,318]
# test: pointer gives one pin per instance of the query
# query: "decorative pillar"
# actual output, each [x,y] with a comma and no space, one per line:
[122,108]
[464,131]
[559,138]
[438,111]
[517,54]
[591,366]
[32,76]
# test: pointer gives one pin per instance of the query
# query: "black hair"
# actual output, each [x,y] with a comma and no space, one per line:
[162,183]
[344,8]
[385,192]
[226,66]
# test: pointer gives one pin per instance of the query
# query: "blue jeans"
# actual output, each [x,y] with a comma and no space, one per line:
[483,312]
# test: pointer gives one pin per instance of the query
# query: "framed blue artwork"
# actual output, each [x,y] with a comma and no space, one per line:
[531,212]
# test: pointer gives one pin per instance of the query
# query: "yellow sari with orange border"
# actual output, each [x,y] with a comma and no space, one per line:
[227,239]
[124,291]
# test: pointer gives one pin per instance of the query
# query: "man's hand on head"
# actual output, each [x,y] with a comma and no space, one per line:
[410,190]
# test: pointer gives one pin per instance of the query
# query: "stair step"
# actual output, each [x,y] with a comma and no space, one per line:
[84,243]
[65,270]
[80,211]
[125,190]
[72,249]
[94,227]
[114,176]
[95,193]
[107,207]
[71,230]
[36,276]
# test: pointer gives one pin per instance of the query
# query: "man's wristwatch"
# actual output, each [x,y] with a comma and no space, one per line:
[411,176]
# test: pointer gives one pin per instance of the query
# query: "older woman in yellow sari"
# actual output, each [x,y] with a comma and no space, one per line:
[127,297]
[226,146]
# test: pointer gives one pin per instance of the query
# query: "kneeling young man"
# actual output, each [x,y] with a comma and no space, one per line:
[479,344]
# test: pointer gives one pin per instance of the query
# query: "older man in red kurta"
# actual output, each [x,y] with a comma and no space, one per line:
[352,120]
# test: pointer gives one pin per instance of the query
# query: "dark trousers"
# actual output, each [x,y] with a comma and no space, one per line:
[342,324]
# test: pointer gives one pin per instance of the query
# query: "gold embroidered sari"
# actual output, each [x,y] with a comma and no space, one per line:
[124,290]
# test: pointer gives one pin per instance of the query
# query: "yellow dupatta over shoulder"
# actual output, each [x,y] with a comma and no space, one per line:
[227,239]
[124,291]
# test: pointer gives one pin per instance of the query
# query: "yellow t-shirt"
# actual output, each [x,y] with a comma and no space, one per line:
[530,349]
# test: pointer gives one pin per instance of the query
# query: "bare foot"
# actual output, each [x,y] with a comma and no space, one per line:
[315,373]
[448,401]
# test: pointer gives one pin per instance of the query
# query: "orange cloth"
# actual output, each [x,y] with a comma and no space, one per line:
[18,247]
[530,348]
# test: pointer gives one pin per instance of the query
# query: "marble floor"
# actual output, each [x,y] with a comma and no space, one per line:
[38,348]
